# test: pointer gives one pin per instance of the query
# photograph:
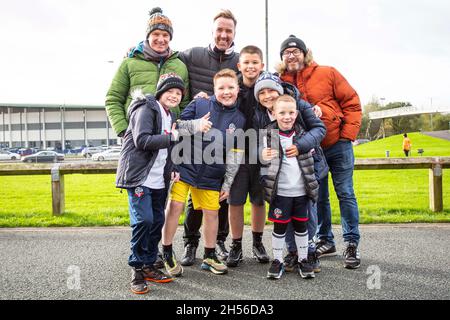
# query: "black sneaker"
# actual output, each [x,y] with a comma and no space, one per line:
[235,255]
[159,263]
[325,249]
[259,252]
[221,250]
[276,270]
[290,261]
[138,284]
[188,258]
[305,269]
[351,256]
[155,275]
[314,261]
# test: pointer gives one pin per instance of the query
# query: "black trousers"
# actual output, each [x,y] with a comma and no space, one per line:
[193,222]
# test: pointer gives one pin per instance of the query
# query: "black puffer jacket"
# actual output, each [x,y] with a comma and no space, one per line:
[271,170]
[141,144]
[203,63]
[315,129]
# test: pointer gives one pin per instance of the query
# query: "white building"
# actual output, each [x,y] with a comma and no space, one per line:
[59,126]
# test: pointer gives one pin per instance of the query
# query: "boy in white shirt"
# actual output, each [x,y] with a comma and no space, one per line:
[289,183]
[144,170]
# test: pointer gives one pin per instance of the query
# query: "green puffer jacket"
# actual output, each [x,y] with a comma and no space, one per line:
[134,73]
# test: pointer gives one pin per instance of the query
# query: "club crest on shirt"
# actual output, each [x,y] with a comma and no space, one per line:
[138,192]
[231,128]
[277,213]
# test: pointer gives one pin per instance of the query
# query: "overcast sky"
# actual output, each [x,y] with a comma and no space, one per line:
[57,51]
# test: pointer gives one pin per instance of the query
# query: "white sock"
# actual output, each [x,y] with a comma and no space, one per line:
[301,240]
[278,246]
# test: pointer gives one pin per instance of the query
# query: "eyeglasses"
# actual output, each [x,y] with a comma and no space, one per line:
[295,53]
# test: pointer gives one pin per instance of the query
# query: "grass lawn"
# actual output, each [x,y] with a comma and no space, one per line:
[377,149]
[384,196]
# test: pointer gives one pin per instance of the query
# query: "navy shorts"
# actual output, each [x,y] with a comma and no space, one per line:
[247,182]
[284,209]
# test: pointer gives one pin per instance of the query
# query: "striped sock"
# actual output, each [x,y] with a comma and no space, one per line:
[301,240]
[278,246]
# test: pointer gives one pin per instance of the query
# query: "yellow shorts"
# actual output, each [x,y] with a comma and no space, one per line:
[201,198]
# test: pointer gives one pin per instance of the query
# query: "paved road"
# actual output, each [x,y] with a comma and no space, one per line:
[413,263]
[443,134]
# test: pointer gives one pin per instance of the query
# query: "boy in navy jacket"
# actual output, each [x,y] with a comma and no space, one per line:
[204,172]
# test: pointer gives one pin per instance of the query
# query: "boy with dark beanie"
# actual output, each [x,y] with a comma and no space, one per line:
[144,171]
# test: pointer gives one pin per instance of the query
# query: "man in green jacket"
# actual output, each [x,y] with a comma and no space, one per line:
[141,70]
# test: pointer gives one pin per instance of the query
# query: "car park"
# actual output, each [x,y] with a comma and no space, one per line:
[110,154]
[44,156]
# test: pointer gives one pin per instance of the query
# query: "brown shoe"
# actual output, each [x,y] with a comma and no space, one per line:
[138,284]
[152,274]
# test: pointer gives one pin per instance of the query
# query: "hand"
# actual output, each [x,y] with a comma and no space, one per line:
[317,111]
[292,151]
[205,124]
[175,176]
[269,154]
[174,132]
[201,94]
[223,195]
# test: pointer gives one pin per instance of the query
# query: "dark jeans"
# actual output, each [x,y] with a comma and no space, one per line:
[146,220]
[193,222]
[340,159]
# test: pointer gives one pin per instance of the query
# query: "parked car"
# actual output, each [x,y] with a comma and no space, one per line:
[44,156]
[110,154]
[25,151]
[89,151]
[360,141]
[6,155]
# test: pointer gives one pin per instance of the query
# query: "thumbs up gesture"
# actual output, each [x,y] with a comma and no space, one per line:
[204,124]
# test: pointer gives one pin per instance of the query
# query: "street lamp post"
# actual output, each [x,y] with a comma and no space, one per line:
[267,35]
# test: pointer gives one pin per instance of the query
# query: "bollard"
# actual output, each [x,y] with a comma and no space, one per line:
[57,191]
[436,199]
[387,153]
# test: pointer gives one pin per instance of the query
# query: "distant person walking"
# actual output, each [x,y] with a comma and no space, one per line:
[406,145]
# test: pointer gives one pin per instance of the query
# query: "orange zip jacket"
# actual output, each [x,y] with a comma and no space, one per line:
[406,144]
[326,87]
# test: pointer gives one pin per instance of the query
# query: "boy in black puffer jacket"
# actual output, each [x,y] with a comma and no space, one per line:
[267,89]
[289,183]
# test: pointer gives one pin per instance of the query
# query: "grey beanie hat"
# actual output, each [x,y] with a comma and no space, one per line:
[268,80]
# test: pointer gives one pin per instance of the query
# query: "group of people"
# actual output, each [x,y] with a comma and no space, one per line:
[173,108]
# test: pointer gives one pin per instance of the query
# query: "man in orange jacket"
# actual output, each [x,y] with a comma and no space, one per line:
[340,108]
